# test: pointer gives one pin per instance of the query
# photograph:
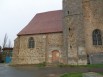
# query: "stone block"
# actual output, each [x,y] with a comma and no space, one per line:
[96,58]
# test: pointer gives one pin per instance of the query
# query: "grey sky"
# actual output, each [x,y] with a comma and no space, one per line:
[16,14]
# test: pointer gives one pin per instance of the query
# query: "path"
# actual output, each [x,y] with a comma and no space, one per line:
[31,71]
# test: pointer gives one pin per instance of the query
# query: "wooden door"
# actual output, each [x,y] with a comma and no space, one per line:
[55,56]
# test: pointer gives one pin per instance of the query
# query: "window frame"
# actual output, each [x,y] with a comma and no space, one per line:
[31,42]
[97,37]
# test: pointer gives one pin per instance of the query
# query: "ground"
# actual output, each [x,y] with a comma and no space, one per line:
[31,71]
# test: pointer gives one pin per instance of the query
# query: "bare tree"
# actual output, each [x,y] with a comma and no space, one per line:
[0,48]
[9,44]
[5,41]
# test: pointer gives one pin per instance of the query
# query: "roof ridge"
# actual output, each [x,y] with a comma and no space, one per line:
[48,11]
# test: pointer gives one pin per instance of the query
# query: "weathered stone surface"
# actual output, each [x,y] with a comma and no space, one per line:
[74,32]
[42,52]
[93,17]
[92,74]
[81,18]
[96,58]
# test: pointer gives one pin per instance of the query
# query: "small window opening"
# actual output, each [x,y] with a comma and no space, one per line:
[68,12]
[97,37]
[70,46]
[69,29]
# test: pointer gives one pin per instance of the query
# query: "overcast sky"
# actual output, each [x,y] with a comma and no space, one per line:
[16,14]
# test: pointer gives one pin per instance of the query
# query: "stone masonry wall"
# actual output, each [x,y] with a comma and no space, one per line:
[93,17]
[73,32]
[54,42]
[15,51]
[44,44]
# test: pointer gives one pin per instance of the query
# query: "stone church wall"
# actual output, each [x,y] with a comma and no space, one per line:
[81,18]
[93,17]
[54,42]
[15,51]
[73,31]
[44,44]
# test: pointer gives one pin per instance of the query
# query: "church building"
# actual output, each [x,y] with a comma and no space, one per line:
[63,36]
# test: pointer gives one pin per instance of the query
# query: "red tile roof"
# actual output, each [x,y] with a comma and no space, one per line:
[47,22]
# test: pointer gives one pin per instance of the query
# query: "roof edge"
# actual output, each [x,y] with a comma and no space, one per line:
[39,33]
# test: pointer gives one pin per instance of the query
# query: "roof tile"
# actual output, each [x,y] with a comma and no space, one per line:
[47,22]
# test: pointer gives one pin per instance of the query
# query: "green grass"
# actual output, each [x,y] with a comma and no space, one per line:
[95,66]
[72,75]
[101,73]
[43,64]
[89,66]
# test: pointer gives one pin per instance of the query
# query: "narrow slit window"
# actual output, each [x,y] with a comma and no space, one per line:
[69,29]
[68,12]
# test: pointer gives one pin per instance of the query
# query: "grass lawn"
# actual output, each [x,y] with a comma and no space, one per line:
[80,74]
[73,75]
[89,66]
[95,65]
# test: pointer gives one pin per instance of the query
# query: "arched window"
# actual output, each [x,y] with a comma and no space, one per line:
[31,42]
[97,39]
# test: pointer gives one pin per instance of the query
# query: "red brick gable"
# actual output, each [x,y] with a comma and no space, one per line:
[47,22]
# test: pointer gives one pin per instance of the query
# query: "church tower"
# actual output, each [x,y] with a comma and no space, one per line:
[93,22]
[82,30]
[74,32]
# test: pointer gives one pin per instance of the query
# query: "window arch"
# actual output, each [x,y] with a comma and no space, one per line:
[97,38]
[31,42]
